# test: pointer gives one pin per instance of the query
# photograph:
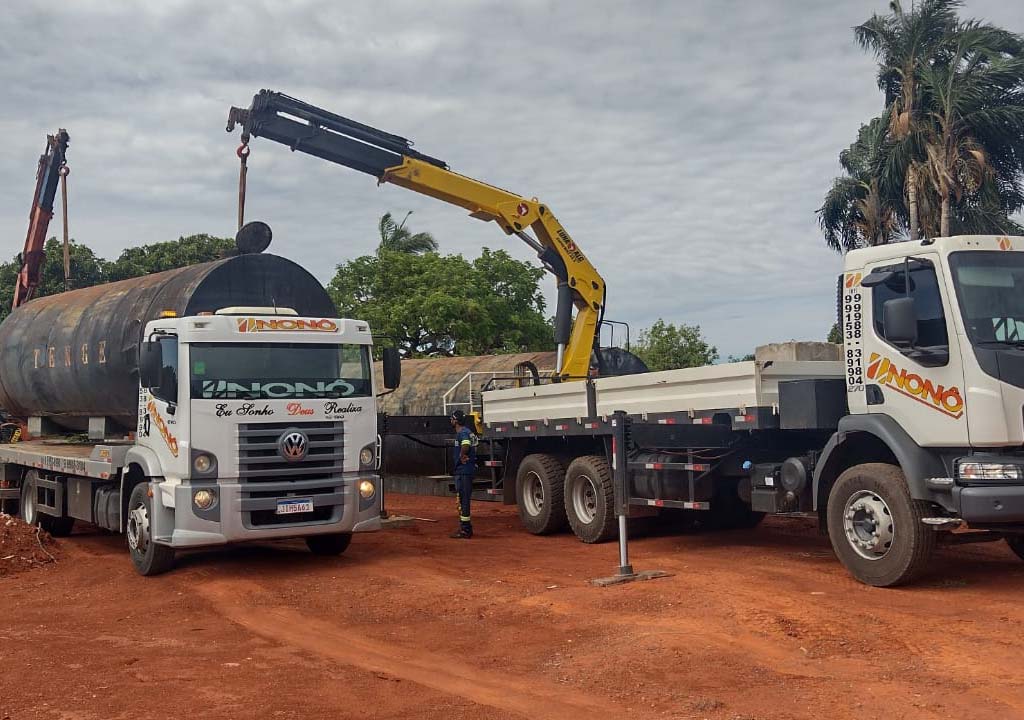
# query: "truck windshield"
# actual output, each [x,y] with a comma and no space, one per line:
[990,289]
[271,371]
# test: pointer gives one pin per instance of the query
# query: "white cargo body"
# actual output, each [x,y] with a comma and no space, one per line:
[728,386]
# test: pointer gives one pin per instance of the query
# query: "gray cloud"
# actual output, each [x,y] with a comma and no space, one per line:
[685,145]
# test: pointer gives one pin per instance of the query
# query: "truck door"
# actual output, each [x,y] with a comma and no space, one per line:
[919,384]
[159,426]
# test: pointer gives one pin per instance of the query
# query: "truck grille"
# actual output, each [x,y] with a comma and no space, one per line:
[260,461]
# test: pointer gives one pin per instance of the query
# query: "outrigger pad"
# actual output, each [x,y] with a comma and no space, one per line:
[619,579]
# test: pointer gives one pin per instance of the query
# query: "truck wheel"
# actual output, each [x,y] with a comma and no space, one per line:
[334,544]
[1016,543]
[875,526]
[148,557]
[539,494]
[590,499]
[56,526]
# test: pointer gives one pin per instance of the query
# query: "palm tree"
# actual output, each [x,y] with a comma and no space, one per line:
[856,212]
[974,127]
[396,237]
[903,43]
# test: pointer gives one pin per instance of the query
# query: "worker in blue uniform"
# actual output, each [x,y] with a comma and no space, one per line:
[464,462]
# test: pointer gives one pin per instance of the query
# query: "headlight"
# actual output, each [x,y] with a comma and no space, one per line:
[204,499]
[366,489]
[202,463]
[366,456]
[989,471]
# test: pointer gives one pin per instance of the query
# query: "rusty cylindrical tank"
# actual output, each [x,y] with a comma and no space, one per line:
[426,380]
[424,384]
[75,355]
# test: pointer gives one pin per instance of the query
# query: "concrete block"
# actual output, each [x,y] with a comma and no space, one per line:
[798,351]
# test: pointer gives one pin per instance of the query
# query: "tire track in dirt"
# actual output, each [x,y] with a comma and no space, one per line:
[281,624]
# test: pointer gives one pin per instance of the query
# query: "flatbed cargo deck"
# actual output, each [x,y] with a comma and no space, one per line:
[743,395]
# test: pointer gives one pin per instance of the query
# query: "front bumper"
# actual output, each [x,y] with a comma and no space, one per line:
[990,504]
[245,511]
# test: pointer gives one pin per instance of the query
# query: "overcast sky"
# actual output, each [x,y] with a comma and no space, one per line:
[685,144]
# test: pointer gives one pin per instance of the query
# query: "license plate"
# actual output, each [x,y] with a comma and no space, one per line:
[287,507]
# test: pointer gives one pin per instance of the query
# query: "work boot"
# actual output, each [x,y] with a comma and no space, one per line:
[461,534]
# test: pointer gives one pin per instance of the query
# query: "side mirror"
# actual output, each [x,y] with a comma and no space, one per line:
[899,322]
[392,368]
[149,364]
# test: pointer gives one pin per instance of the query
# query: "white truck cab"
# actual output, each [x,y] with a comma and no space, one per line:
[254,423]
[933,335]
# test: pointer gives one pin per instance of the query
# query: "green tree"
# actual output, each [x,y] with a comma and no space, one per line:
[835,335]
[856,213]
[741,358]
[157,257]
[86,270]
[974,129]
[431,304]
[396,237]
[904,42]
[666,346]
[947,154]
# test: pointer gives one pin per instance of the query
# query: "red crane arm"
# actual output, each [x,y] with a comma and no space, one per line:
[47,177]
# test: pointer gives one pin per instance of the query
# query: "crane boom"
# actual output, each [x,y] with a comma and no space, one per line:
[392,159]
[47,177]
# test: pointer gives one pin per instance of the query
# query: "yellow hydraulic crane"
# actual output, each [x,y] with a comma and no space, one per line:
[392,159]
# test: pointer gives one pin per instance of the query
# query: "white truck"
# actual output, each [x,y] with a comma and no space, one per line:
[919,431]
[223,403]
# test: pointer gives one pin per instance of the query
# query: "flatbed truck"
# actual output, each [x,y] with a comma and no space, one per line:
[209,405]
[918,432]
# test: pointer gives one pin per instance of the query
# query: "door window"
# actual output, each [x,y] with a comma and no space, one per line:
[932,347]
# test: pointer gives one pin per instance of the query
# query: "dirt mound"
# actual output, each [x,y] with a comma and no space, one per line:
[23,547]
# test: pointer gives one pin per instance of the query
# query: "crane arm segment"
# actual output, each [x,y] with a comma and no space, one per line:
[47,177]
[392,159]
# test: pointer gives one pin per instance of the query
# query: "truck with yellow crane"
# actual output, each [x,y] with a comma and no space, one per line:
[916,432]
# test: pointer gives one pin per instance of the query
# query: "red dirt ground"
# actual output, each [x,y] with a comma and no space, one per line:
[23,548]
[761,624]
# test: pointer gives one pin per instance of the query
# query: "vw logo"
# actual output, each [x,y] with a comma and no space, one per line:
[293,445]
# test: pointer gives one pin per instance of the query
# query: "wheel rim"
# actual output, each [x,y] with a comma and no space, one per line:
[138,529]
[584,499]
[869,525]
[533,494]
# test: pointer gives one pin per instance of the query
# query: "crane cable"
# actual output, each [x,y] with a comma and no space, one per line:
[64,171]
[243,155]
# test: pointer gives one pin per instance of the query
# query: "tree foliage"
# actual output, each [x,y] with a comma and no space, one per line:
[157,257]
[946,156]
[666,346]
[88,269]
[835,335]
[396,237]
[431,304]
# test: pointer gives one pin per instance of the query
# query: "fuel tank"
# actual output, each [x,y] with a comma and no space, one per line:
[74,355]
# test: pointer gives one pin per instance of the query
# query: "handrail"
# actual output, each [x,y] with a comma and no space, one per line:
[448,401]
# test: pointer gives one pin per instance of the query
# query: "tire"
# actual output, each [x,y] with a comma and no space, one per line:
[875,526]
[590,499]
[540,494]
[56,526]
[148,557]
[1016,543]
[329,545]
